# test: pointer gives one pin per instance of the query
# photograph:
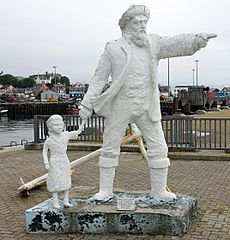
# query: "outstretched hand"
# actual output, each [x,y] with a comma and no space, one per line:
[81,127]
[85,113]
[203,38]
[211,35]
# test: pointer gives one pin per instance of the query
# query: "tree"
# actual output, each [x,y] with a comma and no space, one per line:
[8,79]
[27,82]
[67,89]
[65,80]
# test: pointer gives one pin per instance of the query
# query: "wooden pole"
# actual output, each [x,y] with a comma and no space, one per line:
[135,135]
[139,141]
[26,187]
[41,180]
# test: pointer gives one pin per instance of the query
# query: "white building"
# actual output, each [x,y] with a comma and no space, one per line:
[44,78]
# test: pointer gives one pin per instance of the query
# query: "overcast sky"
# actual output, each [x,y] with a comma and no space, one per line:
[71,34]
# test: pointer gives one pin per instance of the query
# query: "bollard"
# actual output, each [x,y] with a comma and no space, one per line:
[23,141]
[13,143]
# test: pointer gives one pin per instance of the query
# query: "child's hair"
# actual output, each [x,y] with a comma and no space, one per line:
[54,117]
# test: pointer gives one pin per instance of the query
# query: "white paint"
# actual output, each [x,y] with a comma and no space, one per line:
[133,96]
[58,165]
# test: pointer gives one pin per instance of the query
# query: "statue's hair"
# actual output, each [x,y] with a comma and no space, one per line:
[132,11]
[54,117]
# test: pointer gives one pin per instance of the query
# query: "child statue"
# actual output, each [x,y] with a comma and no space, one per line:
[58,165]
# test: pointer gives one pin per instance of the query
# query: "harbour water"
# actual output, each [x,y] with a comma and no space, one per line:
[15,130]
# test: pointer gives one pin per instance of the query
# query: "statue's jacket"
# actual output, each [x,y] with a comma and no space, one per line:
[115,61]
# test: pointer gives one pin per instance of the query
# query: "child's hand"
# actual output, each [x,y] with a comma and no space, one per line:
[47,166]
[77,133]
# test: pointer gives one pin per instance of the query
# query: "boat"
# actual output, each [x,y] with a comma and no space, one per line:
[72,110]
[3,112]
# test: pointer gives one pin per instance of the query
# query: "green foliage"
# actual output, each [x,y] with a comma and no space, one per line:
[63,80]
[8,79]
[53,81]
[26,82]
[67,89]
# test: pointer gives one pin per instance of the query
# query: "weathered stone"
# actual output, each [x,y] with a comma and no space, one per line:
[91,216]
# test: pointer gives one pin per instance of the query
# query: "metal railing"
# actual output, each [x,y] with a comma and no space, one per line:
[93,131]
[181,132]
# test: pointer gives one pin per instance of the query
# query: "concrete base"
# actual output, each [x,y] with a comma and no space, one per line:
[90,216]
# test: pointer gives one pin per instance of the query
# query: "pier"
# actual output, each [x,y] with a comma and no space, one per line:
[207,180]
[26,110]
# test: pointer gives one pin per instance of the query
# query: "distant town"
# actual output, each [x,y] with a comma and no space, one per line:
[49,87]
[55,88]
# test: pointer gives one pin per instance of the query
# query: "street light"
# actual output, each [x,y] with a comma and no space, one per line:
[168,80]
[193,76]
[197,61]
[55,67]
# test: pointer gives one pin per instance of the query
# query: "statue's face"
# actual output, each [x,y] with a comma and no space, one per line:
[57,127]
[138,24]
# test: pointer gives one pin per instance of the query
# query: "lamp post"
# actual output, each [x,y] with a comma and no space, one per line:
[193,76]
[168,80]
[55,67]
[197,61]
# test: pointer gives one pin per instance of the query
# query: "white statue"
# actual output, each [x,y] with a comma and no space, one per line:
[58,165]
[133,96]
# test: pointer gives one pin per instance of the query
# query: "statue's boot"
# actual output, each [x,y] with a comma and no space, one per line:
[55,200]
[106,183]
[158,177]
[66,199]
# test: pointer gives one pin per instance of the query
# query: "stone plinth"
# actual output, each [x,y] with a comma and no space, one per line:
[90,216]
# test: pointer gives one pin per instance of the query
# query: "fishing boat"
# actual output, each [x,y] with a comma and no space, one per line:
[3,112]
[72,110]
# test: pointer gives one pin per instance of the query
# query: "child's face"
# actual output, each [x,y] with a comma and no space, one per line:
[57,126]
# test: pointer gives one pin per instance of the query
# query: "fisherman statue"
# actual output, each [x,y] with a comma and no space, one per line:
[133,96]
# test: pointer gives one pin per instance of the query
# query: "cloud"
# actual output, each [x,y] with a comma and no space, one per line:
[35,35]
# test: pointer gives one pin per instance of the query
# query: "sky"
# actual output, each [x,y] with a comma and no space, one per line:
[71,35]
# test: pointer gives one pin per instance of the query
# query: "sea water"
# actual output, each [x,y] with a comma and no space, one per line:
[14,132]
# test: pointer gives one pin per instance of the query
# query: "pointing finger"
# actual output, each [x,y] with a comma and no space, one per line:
[211,35]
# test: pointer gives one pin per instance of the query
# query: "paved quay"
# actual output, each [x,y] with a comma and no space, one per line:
[207,180]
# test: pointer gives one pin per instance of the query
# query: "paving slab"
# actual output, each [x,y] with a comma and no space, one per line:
[207,181]
[176,154]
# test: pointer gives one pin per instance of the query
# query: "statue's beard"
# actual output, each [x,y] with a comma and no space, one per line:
[140,39]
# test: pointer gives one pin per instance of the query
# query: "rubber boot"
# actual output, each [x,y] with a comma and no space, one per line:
[158,177]
[106,184]
[66,199]
[55,200]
